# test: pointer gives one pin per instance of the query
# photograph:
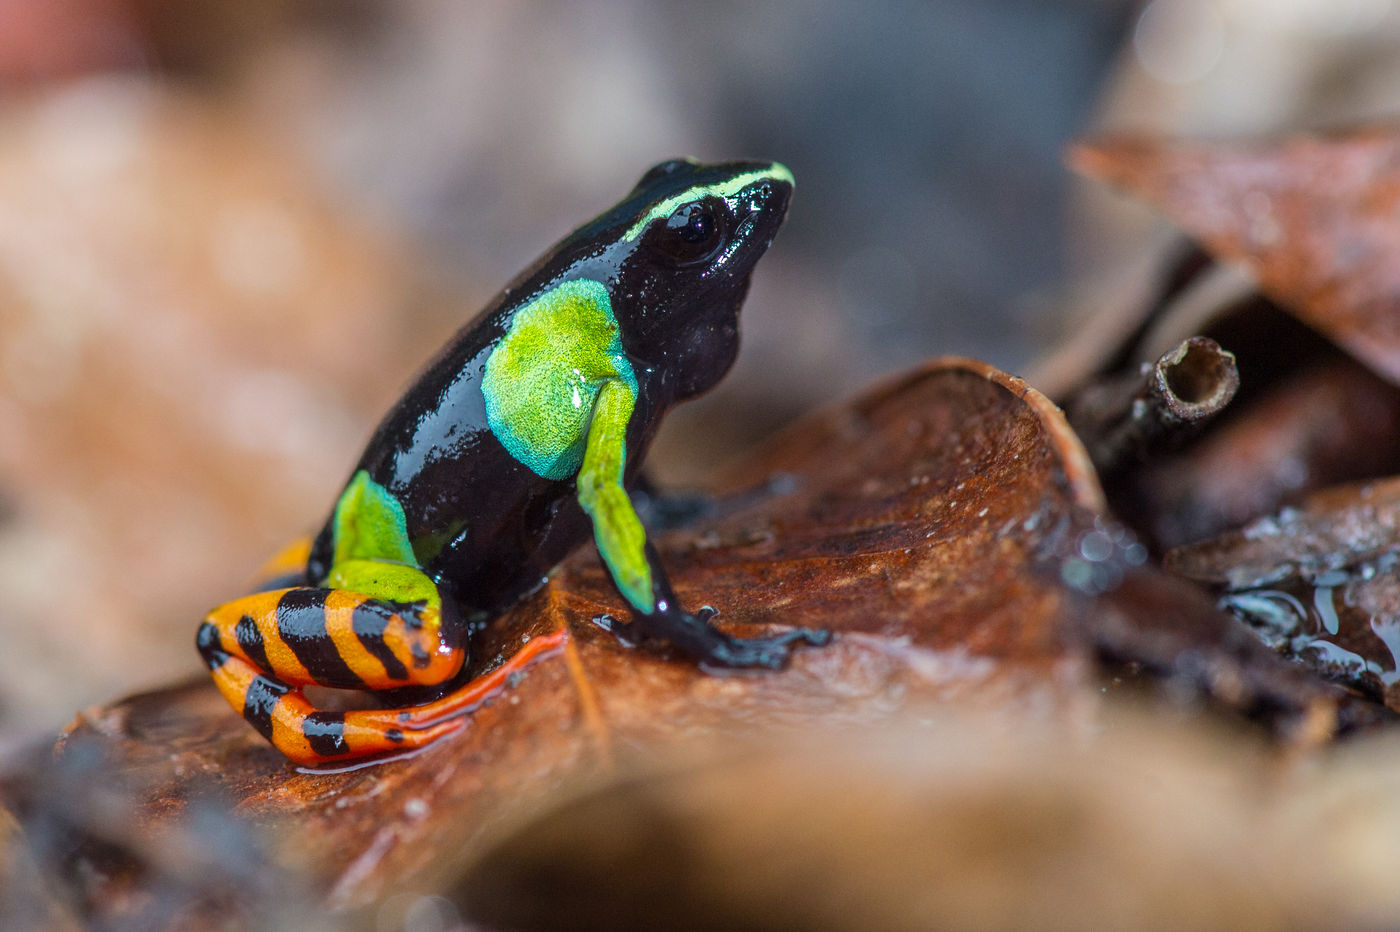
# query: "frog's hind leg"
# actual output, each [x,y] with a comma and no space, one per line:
[376,621]
[262,648]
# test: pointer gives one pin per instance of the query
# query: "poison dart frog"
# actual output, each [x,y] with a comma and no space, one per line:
[522,434]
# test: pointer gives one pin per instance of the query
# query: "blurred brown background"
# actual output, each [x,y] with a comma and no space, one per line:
[230,231]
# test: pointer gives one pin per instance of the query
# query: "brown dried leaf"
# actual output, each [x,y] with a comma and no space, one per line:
[1339,527]
[1311,217]
[945,526]
[898,497]
[1318,582]
[46,41]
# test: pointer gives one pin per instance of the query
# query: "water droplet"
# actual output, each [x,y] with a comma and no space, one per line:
[1096,546]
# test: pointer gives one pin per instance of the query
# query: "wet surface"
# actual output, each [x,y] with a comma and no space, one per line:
[1342,624]
[1318,583]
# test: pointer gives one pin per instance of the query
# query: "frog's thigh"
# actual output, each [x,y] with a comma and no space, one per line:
[331,637]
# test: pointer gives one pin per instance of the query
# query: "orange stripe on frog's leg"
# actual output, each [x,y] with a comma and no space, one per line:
[332,637]
[287,568]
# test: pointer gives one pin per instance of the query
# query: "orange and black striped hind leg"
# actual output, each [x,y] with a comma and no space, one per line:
[262,648]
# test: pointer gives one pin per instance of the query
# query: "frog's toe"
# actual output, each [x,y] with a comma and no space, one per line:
[622,631]
[763,657]
[770,653]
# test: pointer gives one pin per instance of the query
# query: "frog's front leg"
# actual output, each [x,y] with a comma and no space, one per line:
[633,563]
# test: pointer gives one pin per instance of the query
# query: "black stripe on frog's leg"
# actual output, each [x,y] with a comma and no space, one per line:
[250,640]
[210,647]
[260,703]
[369,624]
[301,624]
[325,733]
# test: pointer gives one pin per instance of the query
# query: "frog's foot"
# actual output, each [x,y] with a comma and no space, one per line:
[695,636]
[467,697]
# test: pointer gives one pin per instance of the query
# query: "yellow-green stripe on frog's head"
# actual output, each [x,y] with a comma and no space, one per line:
[738,177]
[647,295]
[686,242]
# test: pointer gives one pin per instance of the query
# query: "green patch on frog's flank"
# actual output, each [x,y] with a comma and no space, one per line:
[724,189]
[372,552]
[544,375]
[370,525]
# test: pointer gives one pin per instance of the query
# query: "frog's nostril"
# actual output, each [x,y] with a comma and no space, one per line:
[758,194]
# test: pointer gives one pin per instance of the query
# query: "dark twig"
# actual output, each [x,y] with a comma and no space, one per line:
[1127,418]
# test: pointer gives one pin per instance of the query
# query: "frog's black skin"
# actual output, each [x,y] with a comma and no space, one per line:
[521,434]
[483,525]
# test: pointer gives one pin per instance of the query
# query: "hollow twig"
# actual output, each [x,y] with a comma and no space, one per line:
[1151,411]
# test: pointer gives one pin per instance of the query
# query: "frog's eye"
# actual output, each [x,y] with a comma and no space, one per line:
[694,232]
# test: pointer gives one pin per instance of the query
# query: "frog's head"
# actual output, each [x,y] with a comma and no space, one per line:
[688,240]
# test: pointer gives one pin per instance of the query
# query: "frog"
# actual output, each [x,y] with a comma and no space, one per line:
[517,442]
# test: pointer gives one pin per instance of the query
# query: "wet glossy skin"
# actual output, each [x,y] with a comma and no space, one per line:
[514,443]
[483,525]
